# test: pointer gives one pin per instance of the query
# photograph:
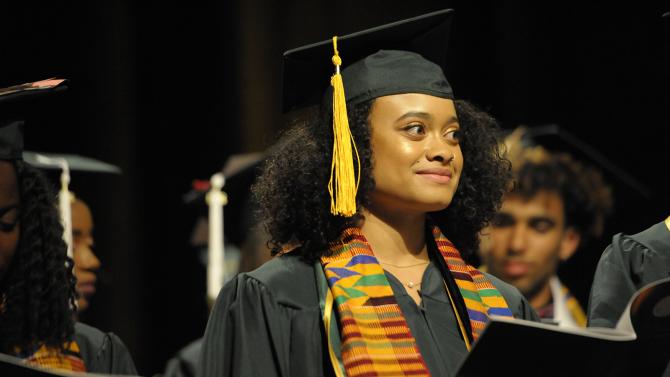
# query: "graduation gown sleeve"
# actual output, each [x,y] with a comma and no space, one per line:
[628,263]
[266,323]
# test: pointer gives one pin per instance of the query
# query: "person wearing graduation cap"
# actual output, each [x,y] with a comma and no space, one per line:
[371,207]
[556,204]
[79,216]
[37,285]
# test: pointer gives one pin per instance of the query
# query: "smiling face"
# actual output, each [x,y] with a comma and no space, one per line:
[9,215]
[416,152]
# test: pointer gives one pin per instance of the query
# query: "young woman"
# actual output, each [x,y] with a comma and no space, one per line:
[383,290]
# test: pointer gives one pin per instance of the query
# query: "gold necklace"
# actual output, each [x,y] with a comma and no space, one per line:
[407,266]
[412,284]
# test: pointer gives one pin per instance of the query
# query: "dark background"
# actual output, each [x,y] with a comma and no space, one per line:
[168,90]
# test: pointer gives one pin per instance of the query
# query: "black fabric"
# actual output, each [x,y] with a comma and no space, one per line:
[434,325]
[186,362]
[628,264]
[423,39]
[103,352]
[11,141]
[268,323]
[16,104]
[389,72]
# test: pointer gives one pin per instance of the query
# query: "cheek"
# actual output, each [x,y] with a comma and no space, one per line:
[545,246]
[8,244]
[499,240]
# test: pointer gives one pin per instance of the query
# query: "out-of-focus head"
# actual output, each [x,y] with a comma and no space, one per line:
[86,263]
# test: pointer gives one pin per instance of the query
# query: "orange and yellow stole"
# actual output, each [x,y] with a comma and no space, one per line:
[376,340]
[46,357]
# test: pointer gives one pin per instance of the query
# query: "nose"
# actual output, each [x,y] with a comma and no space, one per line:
[518,240]
[438,150]
[85,258]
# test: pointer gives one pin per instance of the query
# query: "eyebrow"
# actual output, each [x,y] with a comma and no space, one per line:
[416,114]
[425,115]
[537,219]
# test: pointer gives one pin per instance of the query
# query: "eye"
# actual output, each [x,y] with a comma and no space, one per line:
[415,129]
[8,227]
[453,135]
[542,225]
[8,219]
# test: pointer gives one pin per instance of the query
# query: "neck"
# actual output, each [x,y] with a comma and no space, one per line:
[542,297]
[396,238]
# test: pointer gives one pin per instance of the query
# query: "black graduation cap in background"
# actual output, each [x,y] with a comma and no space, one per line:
[16,104]
[75,162]
[555,138]
[240,172]
[307,69]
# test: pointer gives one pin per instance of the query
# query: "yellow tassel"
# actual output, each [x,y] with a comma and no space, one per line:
[343,183]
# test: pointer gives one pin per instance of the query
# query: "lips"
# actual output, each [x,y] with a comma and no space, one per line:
[437,175]
[516,269]
[86,288]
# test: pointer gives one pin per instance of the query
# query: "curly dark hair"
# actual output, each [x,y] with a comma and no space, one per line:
[295,204]
[38,290]
[587,199]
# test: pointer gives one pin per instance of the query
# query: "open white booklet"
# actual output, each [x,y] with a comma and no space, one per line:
[15,367]
[638,346]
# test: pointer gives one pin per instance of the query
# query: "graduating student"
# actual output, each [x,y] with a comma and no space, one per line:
[372,205]
[37,285]
[556,205]
[80,217]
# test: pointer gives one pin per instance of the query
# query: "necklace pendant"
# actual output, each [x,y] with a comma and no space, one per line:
[410,284]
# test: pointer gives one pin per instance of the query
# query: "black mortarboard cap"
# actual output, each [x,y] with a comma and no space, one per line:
[402,57]
[555,138]
[407,56]
[16,102]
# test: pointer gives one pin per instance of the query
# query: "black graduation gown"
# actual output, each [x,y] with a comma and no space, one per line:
[186,362]
[268,323]
[628,264]
[103,352]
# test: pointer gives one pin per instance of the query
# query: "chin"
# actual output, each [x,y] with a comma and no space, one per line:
[437,205]
[82,304]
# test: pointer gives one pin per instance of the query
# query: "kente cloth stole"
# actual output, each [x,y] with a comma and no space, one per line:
[47,357]
[573,306]
[376,340]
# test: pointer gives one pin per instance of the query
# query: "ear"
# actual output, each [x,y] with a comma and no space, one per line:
[569,243]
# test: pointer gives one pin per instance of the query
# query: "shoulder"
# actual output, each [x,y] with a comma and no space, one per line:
[186,361]
[644,256]
[286,280]
[103,352]
[656,237]
[515,300]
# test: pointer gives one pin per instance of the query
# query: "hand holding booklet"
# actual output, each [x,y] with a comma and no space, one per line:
[638,346]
